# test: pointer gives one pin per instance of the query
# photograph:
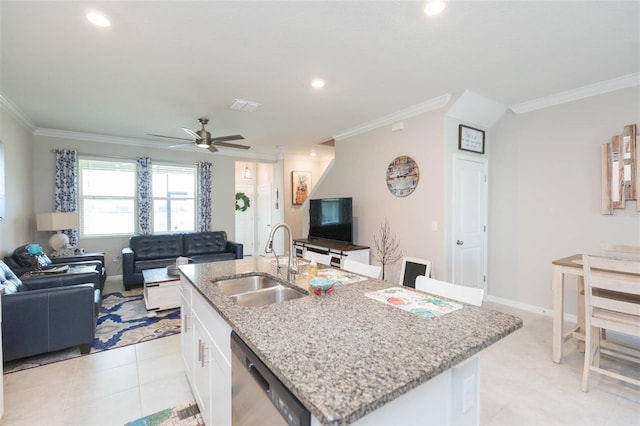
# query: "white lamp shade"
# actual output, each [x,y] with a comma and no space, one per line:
[56,221]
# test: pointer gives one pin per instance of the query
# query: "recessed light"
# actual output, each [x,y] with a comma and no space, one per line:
[434,8]
[317,83]
[98,19]
[313,153]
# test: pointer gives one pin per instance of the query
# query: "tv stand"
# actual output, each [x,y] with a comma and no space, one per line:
[336,249]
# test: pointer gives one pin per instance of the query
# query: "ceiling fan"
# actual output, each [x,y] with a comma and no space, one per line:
[202,138]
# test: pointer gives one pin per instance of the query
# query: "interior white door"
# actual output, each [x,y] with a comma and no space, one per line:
[263,217]
[469,221]
[245,225]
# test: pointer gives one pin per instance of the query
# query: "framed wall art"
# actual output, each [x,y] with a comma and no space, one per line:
[470,139]
[300,187]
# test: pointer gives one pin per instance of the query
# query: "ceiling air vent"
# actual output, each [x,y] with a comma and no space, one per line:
[244,105]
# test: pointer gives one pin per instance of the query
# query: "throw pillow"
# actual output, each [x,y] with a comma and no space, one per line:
[43,260]
[11,286]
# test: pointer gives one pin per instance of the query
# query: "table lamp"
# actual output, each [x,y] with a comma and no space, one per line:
[57,221]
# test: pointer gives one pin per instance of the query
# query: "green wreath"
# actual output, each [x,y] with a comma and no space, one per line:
[245,201]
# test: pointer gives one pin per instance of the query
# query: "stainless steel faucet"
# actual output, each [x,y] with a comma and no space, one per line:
[292,269]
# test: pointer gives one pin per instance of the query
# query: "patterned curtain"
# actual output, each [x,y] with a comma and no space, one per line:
[204,196]
[66,195]
[143,173]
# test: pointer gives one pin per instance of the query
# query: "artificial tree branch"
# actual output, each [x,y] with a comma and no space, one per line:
[387,246]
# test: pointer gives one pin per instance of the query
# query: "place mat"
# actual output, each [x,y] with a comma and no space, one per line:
[415,302]
[341,277]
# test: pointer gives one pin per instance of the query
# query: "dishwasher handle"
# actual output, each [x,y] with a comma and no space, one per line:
[264,384]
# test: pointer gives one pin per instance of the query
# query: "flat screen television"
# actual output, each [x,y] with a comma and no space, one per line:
[331,219]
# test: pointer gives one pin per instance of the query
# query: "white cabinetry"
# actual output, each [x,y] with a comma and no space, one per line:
[186,327]
[337,251]
[206,351]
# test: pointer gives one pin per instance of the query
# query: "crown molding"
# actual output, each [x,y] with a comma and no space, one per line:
[15,112]
[92,137]
[595,89]
[412,111]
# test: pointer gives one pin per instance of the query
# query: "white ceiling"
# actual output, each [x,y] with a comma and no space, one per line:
[161,65]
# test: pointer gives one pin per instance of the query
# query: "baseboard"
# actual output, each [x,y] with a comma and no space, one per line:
[529,308]
[114,278]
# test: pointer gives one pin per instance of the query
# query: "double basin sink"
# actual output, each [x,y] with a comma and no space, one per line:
[257,290]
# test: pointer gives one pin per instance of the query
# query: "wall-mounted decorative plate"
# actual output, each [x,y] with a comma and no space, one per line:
[402,176]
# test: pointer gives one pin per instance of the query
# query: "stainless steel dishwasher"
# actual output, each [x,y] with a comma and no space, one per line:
[259,398]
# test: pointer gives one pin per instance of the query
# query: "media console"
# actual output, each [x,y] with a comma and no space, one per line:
[337,250]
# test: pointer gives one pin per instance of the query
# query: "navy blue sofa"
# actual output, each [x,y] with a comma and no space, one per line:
[157,251]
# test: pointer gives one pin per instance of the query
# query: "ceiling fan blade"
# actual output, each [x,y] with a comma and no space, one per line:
[227,138]
[179,145]
[192,133]
[212,148]
[231,145]
[169,137]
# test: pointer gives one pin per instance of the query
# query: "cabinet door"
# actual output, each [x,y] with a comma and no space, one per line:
[220,391]
[186,331]
[201,384]
[211,378]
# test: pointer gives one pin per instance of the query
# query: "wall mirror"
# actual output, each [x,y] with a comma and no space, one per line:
[620,179]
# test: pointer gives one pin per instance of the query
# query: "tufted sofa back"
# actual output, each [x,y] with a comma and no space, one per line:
[204,243]
[148,247]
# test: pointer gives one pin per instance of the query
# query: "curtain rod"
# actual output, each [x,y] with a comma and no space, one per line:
[113,157]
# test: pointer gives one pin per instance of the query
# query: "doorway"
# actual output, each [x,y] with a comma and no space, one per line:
[254,220]
[469,221]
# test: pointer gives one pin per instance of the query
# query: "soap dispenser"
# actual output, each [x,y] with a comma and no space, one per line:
[313,270]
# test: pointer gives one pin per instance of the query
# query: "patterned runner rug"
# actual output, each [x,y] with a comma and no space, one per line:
[188,415]
[123,321]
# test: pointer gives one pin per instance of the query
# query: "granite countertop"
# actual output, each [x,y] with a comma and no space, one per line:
[344,355]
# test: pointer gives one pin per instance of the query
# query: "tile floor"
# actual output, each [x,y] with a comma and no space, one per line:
[519,385]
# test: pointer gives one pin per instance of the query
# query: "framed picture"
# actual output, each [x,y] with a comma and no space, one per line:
[470,139]
[300,187]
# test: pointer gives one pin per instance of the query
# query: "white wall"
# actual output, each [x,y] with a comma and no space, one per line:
[544,200]
[222,193]
[360,171]
[17,228]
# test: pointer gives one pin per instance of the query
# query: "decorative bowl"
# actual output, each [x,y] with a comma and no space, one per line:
[321,285]
[173,270]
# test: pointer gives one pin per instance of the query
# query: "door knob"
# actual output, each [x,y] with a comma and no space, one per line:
[459,242]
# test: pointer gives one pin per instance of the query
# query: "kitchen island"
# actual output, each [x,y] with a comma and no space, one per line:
[344,355]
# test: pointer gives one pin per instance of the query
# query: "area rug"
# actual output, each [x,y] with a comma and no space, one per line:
[123,321]
[187,415]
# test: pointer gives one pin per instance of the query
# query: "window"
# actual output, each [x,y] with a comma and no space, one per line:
[106,196]
[174,200]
